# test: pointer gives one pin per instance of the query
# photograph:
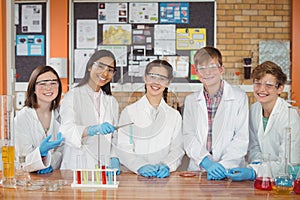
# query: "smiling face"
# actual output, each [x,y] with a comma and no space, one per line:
[209,73]
[156,81]
[266,89]
[46,88]
[101,75]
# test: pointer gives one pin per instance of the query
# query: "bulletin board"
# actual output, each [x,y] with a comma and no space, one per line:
[30,45]
[192,28]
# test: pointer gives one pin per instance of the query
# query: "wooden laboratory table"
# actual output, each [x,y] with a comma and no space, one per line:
[132,186]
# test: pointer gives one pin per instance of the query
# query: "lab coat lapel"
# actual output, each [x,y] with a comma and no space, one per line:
[200,106]
[222,114]
[274,113]
[103,106]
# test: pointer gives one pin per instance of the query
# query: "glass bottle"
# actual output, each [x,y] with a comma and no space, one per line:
[22,176]
[264,179]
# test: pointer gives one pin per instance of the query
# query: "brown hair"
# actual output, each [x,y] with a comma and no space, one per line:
[160,63]
[31,100]
[269,67]
[96,56]
[205,54]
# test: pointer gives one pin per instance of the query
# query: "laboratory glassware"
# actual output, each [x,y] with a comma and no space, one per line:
[7,140]
[264,178]
[297,183]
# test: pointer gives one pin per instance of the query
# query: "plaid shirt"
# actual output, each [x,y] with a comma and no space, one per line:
[212,103]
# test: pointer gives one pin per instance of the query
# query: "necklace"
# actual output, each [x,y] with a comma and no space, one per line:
[46,131]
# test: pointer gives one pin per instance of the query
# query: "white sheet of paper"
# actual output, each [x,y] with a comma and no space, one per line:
[31,18]
[81,57]
[86,34]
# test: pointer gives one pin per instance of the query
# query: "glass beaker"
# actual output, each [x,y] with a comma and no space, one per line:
[264,178]
[7,140]
[22,176]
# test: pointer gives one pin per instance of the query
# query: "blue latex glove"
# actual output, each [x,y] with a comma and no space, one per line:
[103,129]
[45,171]
[163,171]
[46,145]
[213,169]
[148,170]
[240,174]
[115,164]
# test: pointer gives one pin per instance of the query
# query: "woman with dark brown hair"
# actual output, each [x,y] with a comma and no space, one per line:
[37,123]
[89,113]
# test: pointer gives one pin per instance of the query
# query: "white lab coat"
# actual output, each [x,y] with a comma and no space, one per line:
[230,131]
[29,135]
[155,137]
[77,113]
[272,141]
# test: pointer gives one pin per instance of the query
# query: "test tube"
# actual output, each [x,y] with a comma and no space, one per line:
[78,166]
[103,167]
[97,174]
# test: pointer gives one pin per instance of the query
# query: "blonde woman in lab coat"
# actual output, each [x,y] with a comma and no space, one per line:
[269,117]
[89,113]
[37,123]
[215,119]
[152,146]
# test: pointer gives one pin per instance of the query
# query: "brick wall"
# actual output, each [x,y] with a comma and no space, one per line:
[241,24]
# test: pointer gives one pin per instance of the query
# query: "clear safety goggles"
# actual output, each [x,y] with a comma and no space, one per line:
[211,67]
[44,84]
[102,67]
[157,78]
[269,85]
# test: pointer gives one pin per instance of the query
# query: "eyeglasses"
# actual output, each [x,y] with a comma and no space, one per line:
[157,78]
[268,84]
[102,67]
[44,84]
[212,66]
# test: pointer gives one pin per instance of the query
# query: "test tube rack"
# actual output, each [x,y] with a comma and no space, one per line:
[95,178]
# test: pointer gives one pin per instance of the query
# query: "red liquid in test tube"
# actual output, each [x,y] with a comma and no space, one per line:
[103,175]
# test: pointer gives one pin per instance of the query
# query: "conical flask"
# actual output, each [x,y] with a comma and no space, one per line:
[264,178]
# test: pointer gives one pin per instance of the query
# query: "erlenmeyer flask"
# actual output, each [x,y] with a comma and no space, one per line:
[297,183]
[264,179]
[283,182]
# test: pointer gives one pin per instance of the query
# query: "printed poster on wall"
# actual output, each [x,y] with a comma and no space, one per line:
[190,38]
[112,13]
[193,73]
[180,65]
[164,39]
[117,34]
[175,13]
[31,18]
[30,45]
[86,34]
[143,13]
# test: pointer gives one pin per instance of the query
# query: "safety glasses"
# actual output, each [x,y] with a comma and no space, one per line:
[157,78]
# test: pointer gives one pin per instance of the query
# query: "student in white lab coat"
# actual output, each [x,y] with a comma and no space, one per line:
[152,146]
[37,123]
[89,113]
[215,119]
[269,118]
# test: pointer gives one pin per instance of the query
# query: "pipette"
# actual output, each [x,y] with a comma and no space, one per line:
[121,126]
